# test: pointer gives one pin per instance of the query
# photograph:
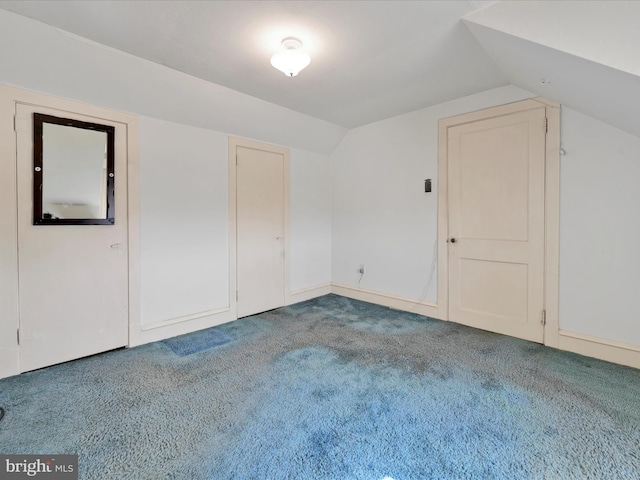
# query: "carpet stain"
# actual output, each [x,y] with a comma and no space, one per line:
[191,343]
[332,388]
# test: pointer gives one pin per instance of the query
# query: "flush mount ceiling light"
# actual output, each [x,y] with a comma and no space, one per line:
[291,58]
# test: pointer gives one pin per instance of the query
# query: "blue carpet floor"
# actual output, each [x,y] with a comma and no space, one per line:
[332,388]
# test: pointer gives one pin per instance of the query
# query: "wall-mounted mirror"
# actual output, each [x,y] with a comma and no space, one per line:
[73,179]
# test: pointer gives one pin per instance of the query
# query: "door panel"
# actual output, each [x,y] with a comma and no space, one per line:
[502,293]
[496,216]
[260,230]
[493,181]
[73,279]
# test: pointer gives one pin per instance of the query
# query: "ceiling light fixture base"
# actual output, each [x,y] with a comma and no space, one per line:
[290,59]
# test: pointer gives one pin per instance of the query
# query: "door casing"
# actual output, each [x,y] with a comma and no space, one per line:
[9,295]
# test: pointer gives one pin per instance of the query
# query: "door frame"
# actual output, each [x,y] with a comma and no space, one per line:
[9,294]
[551,206]
[234,143]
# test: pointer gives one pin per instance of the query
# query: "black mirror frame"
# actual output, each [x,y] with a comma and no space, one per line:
[38,170]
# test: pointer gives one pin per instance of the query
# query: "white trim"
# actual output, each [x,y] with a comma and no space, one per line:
[600,348]
[233,211]
[386,300]
[133,197]
[185,318]
[287,218]
[9,314]
[234,143]
[546,102]
[552,225]
[609,350]
[307,293]
[217,317]
[182,325]
[552,205]
[492,112]
[443,224]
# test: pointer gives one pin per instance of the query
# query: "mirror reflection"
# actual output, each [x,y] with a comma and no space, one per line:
[73,177]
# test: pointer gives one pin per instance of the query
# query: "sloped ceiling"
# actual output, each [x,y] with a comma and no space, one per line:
[42,58]
[370,59]
[582,54]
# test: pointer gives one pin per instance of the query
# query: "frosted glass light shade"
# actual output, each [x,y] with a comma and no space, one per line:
[291,59]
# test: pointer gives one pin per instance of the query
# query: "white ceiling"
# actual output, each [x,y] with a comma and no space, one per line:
[604,31]
[586,51]
[371,60]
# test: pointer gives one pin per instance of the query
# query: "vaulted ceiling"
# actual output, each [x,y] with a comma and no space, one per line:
[370,59]
[375,59]
[582,54]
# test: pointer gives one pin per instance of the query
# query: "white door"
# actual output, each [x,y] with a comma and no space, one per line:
[73,279]
[260,230]
[496,223]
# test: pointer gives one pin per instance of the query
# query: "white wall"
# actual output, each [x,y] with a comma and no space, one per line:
[310,217]
[184,214]
[381,216]
[383,219]
[184,126]
[365,206]
[599,230]
[183,220]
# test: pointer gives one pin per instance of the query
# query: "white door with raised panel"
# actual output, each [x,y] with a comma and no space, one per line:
[496,174]
[260,207]
[73,279]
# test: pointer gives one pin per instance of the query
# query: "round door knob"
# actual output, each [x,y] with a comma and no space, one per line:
[453,240]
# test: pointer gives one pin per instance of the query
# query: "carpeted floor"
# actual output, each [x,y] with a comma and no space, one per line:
[332,389]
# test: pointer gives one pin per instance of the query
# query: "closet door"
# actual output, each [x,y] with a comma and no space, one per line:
[260,197]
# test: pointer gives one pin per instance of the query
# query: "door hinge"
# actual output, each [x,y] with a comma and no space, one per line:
[543,319]
[546,125]
[236,160]
[15,128]
[18,336]
[236,295]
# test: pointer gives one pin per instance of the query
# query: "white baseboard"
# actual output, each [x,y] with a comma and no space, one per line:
[386,299]
[154,332]
[603,349]
[307,293]
[609,350]
[179,326]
